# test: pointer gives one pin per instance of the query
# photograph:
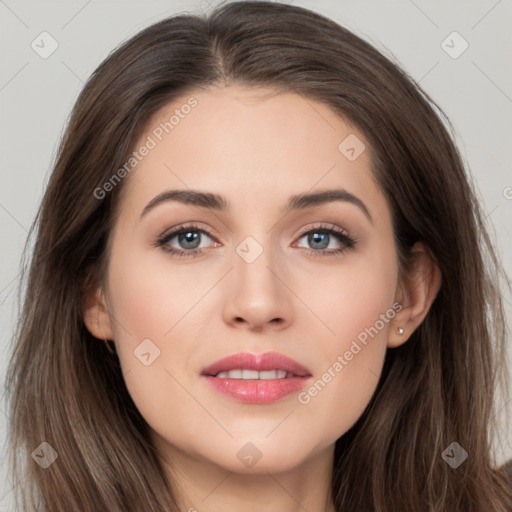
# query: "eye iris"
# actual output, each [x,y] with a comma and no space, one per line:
[188,237]
[315,238]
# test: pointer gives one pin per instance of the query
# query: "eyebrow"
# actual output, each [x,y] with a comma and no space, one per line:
[217,202]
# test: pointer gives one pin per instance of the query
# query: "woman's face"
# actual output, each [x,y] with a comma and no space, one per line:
[253,277]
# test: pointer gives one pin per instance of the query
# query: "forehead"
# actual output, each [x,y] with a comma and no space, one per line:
[255,144]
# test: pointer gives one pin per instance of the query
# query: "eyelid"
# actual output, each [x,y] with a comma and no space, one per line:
[324,226]
[192,226]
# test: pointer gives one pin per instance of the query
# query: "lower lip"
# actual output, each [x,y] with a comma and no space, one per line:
[257,391]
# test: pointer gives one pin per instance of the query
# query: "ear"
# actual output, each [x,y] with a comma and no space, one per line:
[96,315]
[417,288]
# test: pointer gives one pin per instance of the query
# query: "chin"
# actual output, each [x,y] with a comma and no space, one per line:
[254,456]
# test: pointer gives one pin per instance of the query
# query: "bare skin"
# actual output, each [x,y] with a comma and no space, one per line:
[256,148]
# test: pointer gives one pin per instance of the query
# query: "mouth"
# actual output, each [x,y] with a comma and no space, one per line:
[246,374]
[256,379]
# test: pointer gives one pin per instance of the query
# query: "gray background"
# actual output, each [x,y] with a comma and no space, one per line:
[36,97]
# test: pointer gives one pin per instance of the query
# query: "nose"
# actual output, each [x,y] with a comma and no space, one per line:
[257,296]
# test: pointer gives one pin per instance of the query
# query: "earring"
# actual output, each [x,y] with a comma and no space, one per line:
[400,330]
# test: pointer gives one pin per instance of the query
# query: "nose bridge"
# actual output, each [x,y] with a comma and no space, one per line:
[255,250]
[255,256]
[256,294]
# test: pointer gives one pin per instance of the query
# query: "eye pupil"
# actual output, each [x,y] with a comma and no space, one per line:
[189,237]
[316,237]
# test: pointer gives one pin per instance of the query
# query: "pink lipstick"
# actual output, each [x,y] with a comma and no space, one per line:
[257,379]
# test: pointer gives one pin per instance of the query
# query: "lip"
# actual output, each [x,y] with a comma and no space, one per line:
[262,362]
[257,391]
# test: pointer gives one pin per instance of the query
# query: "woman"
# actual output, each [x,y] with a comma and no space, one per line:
[332,337]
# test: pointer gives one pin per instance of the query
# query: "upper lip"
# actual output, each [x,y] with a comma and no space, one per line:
[261,362]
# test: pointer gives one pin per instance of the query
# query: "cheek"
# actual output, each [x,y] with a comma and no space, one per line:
[351,296]
[356,303]
[147,302]
[154,317]
[150,297]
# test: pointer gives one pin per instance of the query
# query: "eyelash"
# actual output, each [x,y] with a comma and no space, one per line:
[342,236]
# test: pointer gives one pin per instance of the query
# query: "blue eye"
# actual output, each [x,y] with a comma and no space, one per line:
[321,236]
[189,239]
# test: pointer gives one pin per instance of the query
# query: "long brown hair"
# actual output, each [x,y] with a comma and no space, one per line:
[67,389]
